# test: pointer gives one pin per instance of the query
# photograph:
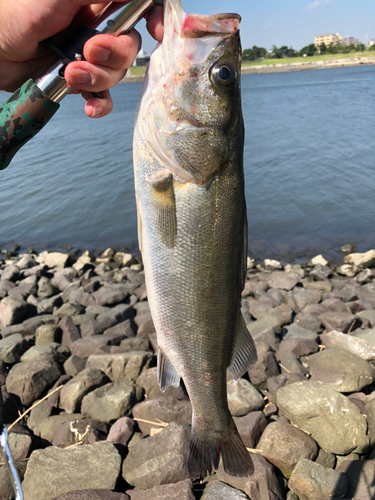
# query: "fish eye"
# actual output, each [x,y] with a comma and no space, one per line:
[223,75]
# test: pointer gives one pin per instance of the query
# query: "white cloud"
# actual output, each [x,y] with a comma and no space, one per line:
[267,26]
[315,4]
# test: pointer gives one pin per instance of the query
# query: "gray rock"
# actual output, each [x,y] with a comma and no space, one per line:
[122,366]
[309,322]
[121,431]
[56,259]
[74,365]
[127,327]
[291,332]
[340,369]
[216,490]
[57,351]
[274,383]
[256,328]
[55,465]
[333,320]
[30,379]
[243,397]
[355,345]
[111,401]
[45,334]
[20,444]
[369,315]
[48,426]
[38,414]
[92,495]
[6,484]
[290,363]
[69,309]
[11,273]
[73,392]
[368,335]
[369,411]
[312,481]
[333,421]
[263,484]
[89,345]
[326,459]
[283,280]
[46,289]
[47,306]
[300,347]
[284,446]
[335,305]
[251,427]
[160,459]
[361,477]
[183,490]
[84,430]
[12,348]
[70,332]
[109,295]
[305,297]
[265,367]
[167,409]
[12,311]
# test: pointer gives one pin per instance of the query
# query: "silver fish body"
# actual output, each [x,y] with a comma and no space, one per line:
[188,154]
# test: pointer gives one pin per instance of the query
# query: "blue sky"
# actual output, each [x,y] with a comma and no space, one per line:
[289,22]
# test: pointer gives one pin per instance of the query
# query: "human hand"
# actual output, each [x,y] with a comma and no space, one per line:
[25,23]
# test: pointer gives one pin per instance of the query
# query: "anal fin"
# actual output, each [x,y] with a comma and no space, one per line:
[244,354]
[164,209]
[166,373]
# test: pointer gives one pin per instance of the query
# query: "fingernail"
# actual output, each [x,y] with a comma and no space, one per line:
[98,54]
[80,76]
[94,112]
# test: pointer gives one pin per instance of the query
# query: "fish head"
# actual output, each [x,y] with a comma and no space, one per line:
[190,110]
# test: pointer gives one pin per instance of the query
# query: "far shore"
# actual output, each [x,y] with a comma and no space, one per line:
[283,67]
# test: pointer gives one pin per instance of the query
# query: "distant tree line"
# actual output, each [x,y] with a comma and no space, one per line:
[256,53]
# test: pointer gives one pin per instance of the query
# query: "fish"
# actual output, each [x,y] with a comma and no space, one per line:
[192,224]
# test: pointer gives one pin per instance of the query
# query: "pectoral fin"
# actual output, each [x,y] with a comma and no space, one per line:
[244,353]
[166,373]
[164,209]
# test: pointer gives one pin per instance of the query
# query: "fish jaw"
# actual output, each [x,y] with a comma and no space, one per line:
[190,113]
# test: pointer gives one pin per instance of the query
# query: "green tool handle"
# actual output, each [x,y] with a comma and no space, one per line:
[21,117]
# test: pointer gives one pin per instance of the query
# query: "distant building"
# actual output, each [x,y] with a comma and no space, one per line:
[334,38]
[349,40]
[142,59]
[369,44]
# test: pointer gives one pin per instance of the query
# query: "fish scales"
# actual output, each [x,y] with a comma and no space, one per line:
[188,148]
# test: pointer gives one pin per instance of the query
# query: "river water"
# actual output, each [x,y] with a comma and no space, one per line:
[309,167]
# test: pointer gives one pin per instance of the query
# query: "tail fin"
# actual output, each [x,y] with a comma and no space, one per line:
[204,456]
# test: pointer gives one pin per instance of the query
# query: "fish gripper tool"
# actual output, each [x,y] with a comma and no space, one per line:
[31,107]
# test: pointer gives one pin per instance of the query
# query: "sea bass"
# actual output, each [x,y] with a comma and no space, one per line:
[188,160]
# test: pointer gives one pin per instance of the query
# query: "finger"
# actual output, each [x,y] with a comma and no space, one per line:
[96,108]
[83,75]
[155,22]
[113,52]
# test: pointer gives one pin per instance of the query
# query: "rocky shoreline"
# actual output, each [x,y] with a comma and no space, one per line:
[79,328]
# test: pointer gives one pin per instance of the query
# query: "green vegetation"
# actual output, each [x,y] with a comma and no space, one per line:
[286,54]
[137,70]
[320,57]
